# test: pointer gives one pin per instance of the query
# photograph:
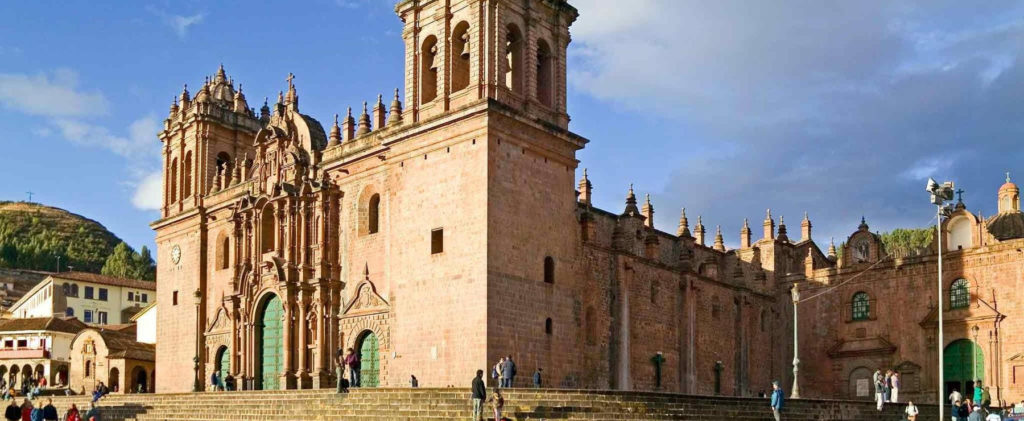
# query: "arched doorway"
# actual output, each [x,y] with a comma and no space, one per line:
[114,380]
[369,356]
[269,349]
[62,375]
[861,385]
[223,362]
[13,382]
[958,359]
[139,383]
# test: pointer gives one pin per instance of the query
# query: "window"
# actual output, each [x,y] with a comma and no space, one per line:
[146,299]
[460,57]
[101,317]
[373,214]
[174,298]
[89,293]
[88,368]
[547,326]
[9,343]
[103,294]
[861,306]
[549,270]
[544,72]
[428,70]
[172,191]
[437,241]
[22,343]
[267,229]
[88,316]
[959,294]
[70,312]
[186,172]
[131,296]
[513,55]
[66,289]
[224,255]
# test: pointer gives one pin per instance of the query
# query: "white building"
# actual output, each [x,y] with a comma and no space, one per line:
[145,324]
[92,298]
[37,347]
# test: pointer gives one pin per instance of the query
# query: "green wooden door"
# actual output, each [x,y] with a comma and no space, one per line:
[224,362]
[370,359]
[271,346]
[957,360]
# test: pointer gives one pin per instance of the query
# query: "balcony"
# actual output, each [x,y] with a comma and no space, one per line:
[10,354]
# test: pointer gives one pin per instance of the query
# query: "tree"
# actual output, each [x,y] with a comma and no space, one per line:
[120,263]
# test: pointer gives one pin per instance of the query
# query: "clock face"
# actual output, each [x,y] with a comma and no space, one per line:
[176,254]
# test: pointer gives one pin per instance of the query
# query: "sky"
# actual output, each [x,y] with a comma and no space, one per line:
[726,108]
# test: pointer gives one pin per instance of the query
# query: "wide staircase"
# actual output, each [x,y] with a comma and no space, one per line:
[454,404]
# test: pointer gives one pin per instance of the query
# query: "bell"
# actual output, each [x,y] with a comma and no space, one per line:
[431,57]
[465,46]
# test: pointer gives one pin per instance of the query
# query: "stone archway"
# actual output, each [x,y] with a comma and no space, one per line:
[114,380]
[269,343]
[223,362]
[140,383]
[368,348]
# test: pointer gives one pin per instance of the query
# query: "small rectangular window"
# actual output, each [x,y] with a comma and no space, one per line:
[88,316]
[101,317]
[9,343]
[174,298]
[22,343]
[131,296]
[88,293]
[103,294]
[146,299]
[437,241]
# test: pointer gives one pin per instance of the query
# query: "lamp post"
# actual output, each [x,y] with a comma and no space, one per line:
[197,385]
[939,195]
[795,393]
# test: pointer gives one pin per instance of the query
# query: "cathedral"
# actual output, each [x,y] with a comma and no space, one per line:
[437,235]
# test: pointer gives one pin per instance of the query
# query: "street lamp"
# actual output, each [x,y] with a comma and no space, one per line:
[939,195]
[795,393]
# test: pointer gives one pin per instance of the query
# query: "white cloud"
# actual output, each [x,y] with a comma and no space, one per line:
[179,23]
[149,192]
[55,95]
[139,143]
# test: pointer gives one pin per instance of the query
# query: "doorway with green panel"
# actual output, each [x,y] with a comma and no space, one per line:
[223,362]
[270,349]
[963,363]
[369,356]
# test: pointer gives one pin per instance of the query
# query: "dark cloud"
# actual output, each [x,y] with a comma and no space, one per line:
[836,108]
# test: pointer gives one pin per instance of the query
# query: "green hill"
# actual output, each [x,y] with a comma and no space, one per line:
[32,236]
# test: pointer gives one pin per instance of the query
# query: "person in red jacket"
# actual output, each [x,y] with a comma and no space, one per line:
[26,410]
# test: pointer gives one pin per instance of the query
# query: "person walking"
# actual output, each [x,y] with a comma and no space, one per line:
[895,394]
[93,414]
[13,412]
[536,379]
[479,396]
[499,368]
[72,414]
[214,381]
[879,391]
[911,411]
[49,412]
[778,398]
[887,387]
[354,365]
[339,368]
[508,372]
[498,402]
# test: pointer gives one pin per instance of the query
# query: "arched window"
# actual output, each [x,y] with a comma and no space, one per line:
[224,252]
[861,306]
[172,189]
[514,59]
[544,73]
[373,214]
[66,289]
[549,270]
[460,56]
[959,294]
[224,163]
[268,229]
[70,312]
[186,185]
[74,290]
[428,70]
[547,326]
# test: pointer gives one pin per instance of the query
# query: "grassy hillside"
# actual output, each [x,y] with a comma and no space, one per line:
[33,235]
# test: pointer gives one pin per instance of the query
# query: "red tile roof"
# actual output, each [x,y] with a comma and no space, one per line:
[105,280]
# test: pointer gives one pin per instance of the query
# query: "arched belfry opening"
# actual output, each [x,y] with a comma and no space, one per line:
[460,56]
[514,59]
[429,65]
[544,73]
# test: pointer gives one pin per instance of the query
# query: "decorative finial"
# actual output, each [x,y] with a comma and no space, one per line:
[746,226]
[335,119]
[1007,176]
[289,79]
[380,100]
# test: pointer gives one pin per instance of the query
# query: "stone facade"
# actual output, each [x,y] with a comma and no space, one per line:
[438,236]
[114,358]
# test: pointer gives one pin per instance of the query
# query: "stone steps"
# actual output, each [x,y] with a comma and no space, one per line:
[452,403]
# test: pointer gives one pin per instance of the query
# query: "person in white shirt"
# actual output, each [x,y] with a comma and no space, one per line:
[911,411]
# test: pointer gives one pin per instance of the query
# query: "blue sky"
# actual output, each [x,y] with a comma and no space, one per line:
[840,109]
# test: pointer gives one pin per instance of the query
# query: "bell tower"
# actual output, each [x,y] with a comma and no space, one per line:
[458,52]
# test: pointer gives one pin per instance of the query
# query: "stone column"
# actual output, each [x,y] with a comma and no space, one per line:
[287,380]
[301,326]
